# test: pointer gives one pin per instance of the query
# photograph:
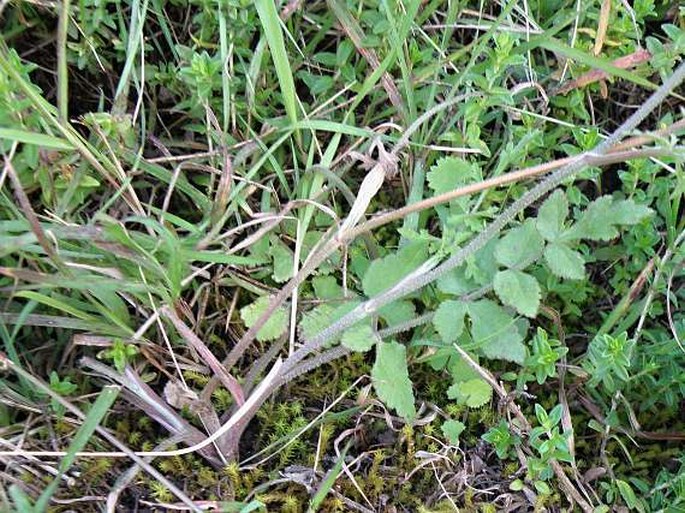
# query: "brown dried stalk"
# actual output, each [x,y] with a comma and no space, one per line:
[6,363]
[417,281]
[334,241]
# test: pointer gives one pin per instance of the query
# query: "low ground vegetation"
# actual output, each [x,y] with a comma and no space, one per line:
[342,255]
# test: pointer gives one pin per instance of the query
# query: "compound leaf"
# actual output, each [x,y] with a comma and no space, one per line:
[564,262]
[520,247]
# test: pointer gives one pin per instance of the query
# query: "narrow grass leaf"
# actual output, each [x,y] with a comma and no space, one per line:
[591,61]
[22,502]
[102,405]
[268,16]
[54,303]
[328,482]
[43,140]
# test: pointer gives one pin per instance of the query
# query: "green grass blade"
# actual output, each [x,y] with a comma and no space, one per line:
[54,303]
[182,184]
[26,137]
[268,16]
[62,71]
[158,11]
[591,61]
[98,411]
[22,502]
[135,36]
[225,77]
[335,127]
[328,482]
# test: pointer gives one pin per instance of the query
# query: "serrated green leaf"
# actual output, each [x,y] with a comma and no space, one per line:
[564,262]
[321,317]
[627,493]
[627,212]
[282,261]
[600,218]
[360,338]
[520,247]
[495,331]
[551,216]
[449,320]
[448,173]
[452,429]
[397,312]
[594,223]
[455,282]
[326,287]
[459,369]
[273,328]
[483,266]
[315,321]
[385,272]
[518,290]
[391,379]
[473,393]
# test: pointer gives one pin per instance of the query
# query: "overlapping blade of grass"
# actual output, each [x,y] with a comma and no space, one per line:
[225,77]
[104,166]
[93,419]
[43,140]
[589,60]
[351,27]
[135,39]
[398,36]
[328,482]
[268,16]
[62,71]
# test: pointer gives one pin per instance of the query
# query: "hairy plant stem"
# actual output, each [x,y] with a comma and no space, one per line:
[289,368]
[329,247]
[334,241]
[417,281]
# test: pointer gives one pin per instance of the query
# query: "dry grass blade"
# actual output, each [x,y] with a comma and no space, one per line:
[602,26]
[387,164]
[207,356]
[144,398]
[627,62]
[354,32]
[405,287]
[8,364]
[25,204]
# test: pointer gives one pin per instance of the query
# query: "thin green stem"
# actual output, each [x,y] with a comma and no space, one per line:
[62,71]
